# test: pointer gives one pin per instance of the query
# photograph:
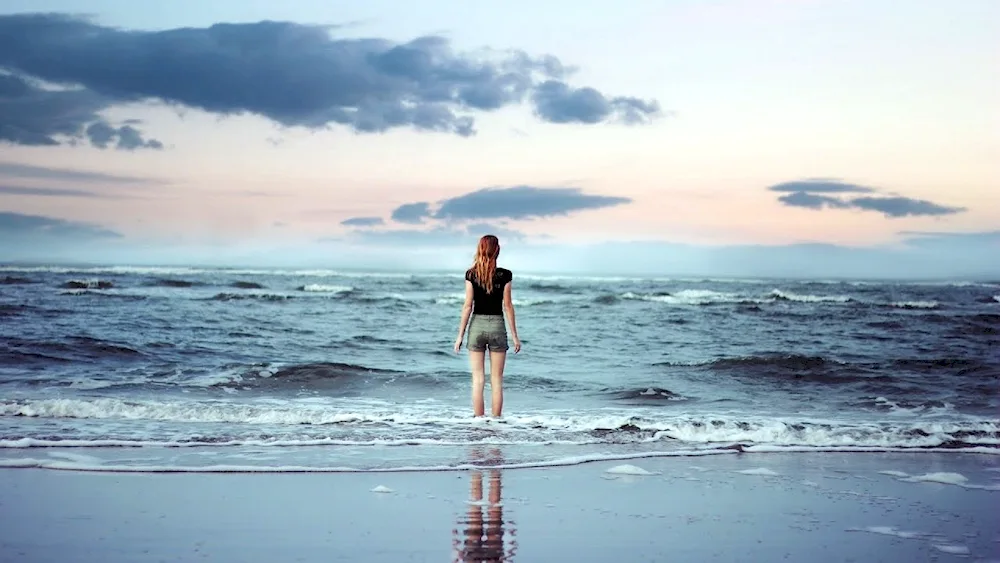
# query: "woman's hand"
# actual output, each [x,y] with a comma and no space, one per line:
[458,344]
[517,345]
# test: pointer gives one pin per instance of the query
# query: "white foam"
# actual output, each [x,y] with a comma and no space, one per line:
[323,288]
[759,434]
[628,469]
[888,531]
[940,477]
[894,473]
[382,489]
[223,468]
[691,297]
[952,549]
[810,298]
[759,471]
[996,298]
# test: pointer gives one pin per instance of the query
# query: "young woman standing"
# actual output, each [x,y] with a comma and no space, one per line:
[487,297]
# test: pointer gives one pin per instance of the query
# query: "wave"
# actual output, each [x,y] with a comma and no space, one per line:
[690,297]
[15,280]
[915,304]
[322,374]
[171,282]
[14,310]
[645,395]
[553,288]
[100,293]
[789,296]
[794,367]
[429,424]
[889,373]
[70,349]
[323,288]
[87,284]
[226,296]
[246,285]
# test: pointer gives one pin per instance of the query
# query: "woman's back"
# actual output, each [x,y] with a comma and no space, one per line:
[489,303]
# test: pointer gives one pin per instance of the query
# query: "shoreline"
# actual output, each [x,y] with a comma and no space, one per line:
[59,461]
[823,506]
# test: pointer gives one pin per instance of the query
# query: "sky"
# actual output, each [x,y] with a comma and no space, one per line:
[706,137]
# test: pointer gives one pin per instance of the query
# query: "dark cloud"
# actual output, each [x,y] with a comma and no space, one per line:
[295,75]
[820,186]
[812,201]
[36,116]
[411,212]
[362,221]
[558,102]
[17,170]
[521,202]
[126,137]
[803,194]
[17,226]
[902,206]
[48,192]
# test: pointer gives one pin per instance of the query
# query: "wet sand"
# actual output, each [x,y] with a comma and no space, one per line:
[813,507]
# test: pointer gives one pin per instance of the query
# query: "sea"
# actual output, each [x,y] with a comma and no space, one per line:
[154,369]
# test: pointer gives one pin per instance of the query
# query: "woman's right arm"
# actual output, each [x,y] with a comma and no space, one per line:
[508,304]
[466,313]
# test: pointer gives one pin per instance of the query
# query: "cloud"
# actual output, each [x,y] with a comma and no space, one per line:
[902,206]
[15,226]
[811,201]
[362,221]
[48,192]
[521,202]
[558,102]
[17,170]
[819,186]
[411,212]
[804,194]
[101,135]
[292,74]
[35,116]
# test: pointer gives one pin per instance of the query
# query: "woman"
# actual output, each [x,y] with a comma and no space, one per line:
[487,296]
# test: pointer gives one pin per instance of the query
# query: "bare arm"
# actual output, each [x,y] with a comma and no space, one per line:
[508,305]
[466,312]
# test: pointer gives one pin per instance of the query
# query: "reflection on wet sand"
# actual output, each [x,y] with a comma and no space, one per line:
[476,539]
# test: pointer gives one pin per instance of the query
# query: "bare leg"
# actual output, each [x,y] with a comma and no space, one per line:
[497,360]
[477,362]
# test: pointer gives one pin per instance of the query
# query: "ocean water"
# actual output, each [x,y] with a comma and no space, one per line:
[193,369]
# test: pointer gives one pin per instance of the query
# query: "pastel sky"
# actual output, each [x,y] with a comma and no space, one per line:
[817,136]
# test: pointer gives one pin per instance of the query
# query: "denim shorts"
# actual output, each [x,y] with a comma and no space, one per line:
[487,331]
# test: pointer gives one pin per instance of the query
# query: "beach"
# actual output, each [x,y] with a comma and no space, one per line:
[820,506]
[183,414]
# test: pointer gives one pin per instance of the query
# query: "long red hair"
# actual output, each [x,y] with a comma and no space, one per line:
[484,265]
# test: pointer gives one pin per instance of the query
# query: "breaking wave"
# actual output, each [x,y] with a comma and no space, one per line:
[455,427]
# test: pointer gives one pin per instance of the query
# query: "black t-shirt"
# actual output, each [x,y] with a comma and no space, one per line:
[489,303]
